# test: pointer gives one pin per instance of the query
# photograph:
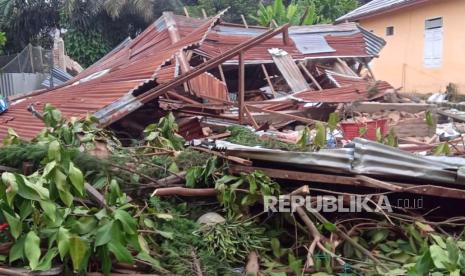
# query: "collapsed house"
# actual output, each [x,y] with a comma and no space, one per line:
[213,69]
[212,74]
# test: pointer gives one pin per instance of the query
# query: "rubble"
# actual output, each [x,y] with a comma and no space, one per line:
[194,122]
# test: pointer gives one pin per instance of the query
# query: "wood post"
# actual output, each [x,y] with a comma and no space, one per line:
[241,87]
[268,80]
[245,22]
[310,76]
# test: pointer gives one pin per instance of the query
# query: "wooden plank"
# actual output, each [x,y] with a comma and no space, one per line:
[310,76]
[244,21]
[241,86]
[371,107]
[214,62]
[426,189]
[270,84]
[289,70]
[281,114]
[251,118]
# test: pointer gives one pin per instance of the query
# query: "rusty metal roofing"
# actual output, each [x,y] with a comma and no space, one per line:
[342,40]
[376,7]
[108,82]
[355,92]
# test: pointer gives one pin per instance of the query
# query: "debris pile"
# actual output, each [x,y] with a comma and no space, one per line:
[173,154]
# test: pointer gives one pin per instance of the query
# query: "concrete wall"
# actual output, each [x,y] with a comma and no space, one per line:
[401,61]
[16,83]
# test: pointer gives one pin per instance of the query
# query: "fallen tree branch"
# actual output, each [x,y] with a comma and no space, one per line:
[181,191]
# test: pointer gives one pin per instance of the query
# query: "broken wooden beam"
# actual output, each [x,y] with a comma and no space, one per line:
[426,189]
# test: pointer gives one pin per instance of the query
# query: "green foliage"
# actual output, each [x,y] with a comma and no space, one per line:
[86,47]
[301,12]
[27,22]
[164,134]
[244,136]
[2,41]
[234,239]
[212,7]
[329,10]
[390,139]
[236,193]
[442,149]
[203,176]
[429,119]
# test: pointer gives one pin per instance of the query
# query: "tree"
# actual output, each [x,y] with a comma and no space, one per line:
[212,7]
[303,12]
[330,10]
[2,41]
[296,13]
[28,21]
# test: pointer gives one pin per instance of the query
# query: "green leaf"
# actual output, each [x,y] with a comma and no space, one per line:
[379,235]
[121,253]
[32,249]
[333,121]
[16,227]
[143,244]
[77,250]
[442,149]
[17,250]
[76,177]
[105,259]
[192,175]
[439,256]
[331,227]
[11,188]
[424,264]
[164,216]
[439,240]
[49,168]
[320,137]
[46,261]
[165,234]
[49,209]
[54,151]
[103,235]
[63,238]
[128,222]
[143,256]
[429,119]
[63,188]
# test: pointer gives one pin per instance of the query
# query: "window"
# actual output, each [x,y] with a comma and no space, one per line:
[389,31]
[432,52]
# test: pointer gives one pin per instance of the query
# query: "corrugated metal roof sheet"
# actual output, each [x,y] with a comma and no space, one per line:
[375,7]
[342,40]
[105,83]
[355,92]
[365,157]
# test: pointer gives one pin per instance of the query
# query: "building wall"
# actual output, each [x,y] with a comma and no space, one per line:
[401,61]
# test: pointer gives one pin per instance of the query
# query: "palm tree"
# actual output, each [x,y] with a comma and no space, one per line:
[296,13]
[114,8]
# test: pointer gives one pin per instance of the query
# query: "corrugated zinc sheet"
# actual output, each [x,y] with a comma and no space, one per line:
[365,157]
[289,70]
[376,6]
[209,87]
[107,83]
[345,94]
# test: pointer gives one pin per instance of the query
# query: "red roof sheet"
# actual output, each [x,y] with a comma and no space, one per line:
[352,45]
[346,94]
[122,71]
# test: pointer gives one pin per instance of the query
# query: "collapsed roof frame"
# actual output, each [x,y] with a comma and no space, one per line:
[117,112]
